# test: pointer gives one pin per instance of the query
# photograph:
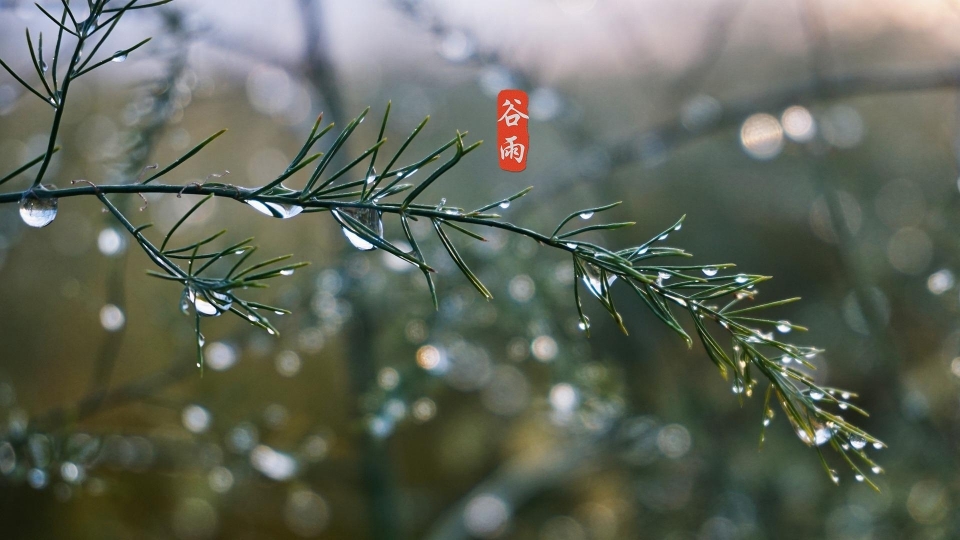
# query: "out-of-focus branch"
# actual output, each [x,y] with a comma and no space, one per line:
[714,44]
[815,32]
[818,38]
[146,136]
[318,64]
[374,468]
[144,388]
[517,482]
[672,134]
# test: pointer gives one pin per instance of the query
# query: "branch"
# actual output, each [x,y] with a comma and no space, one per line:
[672,134]
[695,290]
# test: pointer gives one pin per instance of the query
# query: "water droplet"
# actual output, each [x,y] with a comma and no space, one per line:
[455,45]
[110,242]
[737,388]
[8,458]
[821,432]
[741,278]
[710,272]
[582,325]
[663,275]
[119,56]
[424,409]
[834,476]
[210,305]
[843,406]
[111,318]
[592,279]
[273,464]
[277,210]
[820,436]
[201,340]
[766,422]
[761,136]
[677,228]
[196,418]
[564,397]
[798,124]
[286,272]
[858,442]
[372,177]
[37,212]
[220,356]
[663,237]
[586,215]
[816,395]
[70,472]
[370,218]
[505,205]
[786,359]
[37,478]
[784,327]
[43,66]
[858,477]
[876,469]
[845,395]
[878,445]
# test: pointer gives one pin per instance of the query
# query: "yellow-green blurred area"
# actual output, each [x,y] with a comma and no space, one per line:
[373,415]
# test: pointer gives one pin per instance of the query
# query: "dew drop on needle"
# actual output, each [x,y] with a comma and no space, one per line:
[592,279]
[277,210]
[368,217]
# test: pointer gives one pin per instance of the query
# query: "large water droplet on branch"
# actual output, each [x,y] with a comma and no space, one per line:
[592,279]
[36,211]
[277,210]
[210,305]
[370,218]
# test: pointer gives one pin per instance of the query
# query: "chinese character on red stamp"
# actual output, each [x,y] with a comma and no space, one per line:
[513,141]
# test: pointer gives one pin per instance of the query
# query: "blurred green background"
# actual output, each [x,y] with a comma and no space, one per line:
[374,416]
